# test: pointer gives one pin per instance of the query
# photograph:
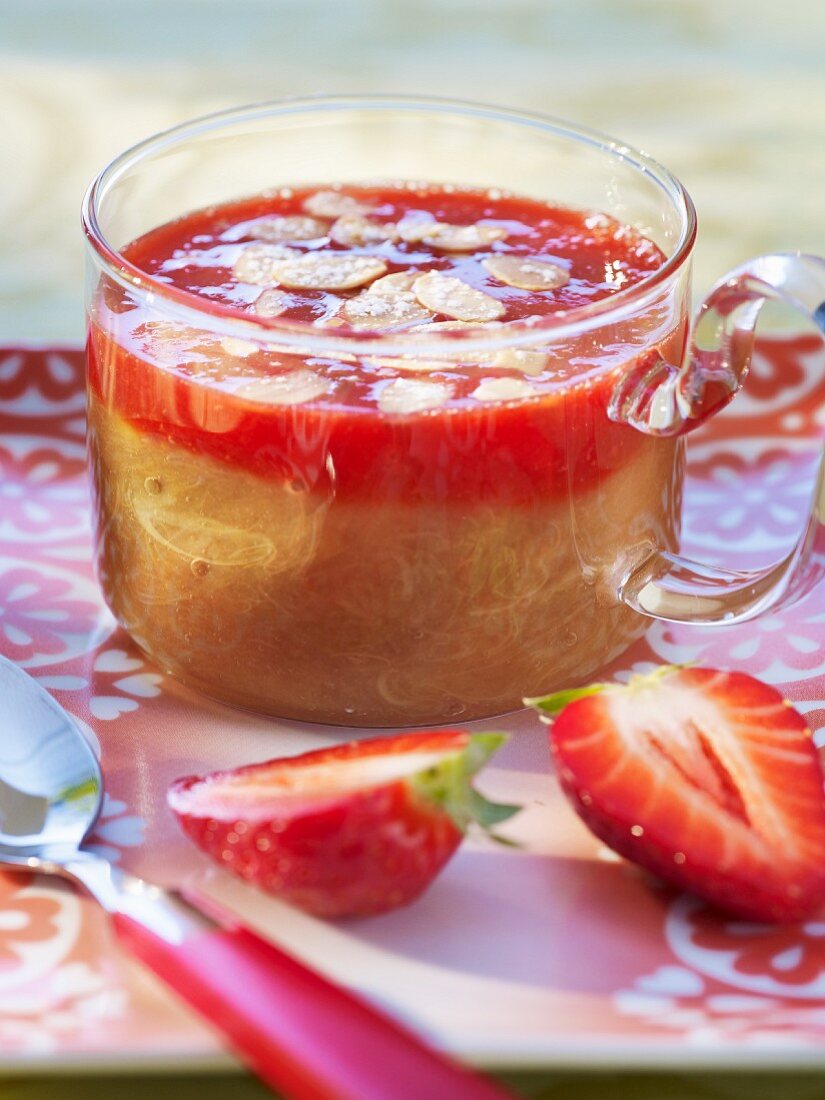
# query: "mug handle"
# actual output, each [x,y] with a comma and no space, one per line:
[661,400]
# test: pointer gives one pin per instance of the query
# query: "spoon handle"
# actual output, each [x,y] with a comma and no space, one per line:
[301,1033]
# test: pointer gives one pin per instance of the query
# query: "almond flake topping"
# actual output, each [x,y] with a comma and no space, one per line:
[382,309]
[270,303]
[354,230]
[239,349]
[328,271]
[411,363]
[293,227]
[396,283]
[256,263]
[333,204]
[502,389]
[450,296]
[525,273]
[411,395]
[463,238]
[527,360]
[285,389]
[413,230]
[171,342]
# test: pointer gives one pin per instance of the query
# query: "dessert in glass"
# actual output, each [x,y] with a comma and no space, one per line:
[383,422]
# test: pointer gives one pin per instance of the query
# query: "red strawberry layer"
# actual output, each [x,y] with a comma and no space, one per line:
[467,450]
[511,454]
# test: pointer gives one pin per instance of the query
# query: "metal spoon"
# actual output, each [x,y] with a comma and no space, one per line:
[298,1031]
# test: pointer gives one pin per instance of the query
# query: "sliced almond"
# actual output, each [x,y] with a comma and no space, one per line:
[291,227]
[285,389]
[328,271]
[172,343]
[502,389]
[396,283]
[256,263]
[333,204]
[463,238]
[526,273]
[410,363]
[411,395]
[239,349]
[382,310]
[413,230]
[171,331]
[527,360]
[354,230]
[270,303]
[450,296]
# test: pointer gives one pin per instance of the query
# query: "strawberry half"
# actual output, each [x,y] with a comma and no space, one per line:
[359,828]
[709,779]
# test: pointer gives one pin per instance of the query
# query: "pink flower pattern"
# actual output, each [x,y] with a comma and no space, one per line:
[25,920]
[120,699]
[54,375]
[37,612]
[791,954]
[41,491]
[774,371]
[740,504]
[780,648]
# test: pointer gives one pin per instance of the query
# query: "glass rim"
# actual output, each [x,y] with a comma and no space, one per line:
[226,320]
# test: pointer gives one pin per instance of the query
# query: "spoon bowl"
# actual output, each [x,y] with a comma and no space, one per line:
[51,785]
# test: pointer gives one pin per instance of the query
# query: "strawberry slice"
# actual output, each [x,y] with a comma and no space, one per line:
[359,828]
[708,779]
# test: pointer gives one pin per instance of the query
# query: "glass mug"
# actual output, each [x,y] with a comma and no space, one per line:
[426,596]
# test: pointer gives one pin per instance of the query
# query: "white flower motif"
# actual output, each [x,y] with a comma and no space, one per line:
[116,660]
[131,688]
[108,707]
[115,829]
[638,668]
[75,997]
[749,494]
[672,981]
[784,961]
[48,615]
[43,492]
[723,1019]
[779,648]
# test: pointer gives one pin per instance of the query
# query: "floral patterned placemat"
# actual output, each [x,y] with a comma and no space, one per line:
[555,954]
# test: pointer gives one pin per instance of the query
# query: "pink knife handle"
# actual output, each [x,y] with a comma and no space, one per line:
[302,1034]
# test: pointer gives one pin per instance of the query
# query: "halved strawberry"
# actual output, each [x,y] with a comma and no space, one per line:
[359,828]
[709,779]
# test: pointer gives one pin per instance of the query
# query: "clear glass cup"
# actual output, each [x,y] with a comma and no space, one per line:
[400,569]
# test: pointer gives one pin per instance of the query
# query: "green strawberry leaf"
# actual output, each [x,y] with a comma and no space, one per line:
[486,813]
[504,841]
[448,784]
[554,704]
[482,746]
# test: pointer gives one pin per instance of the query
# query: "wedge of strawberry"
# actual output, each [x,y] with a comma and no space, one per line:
[708,779]
[359,828]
